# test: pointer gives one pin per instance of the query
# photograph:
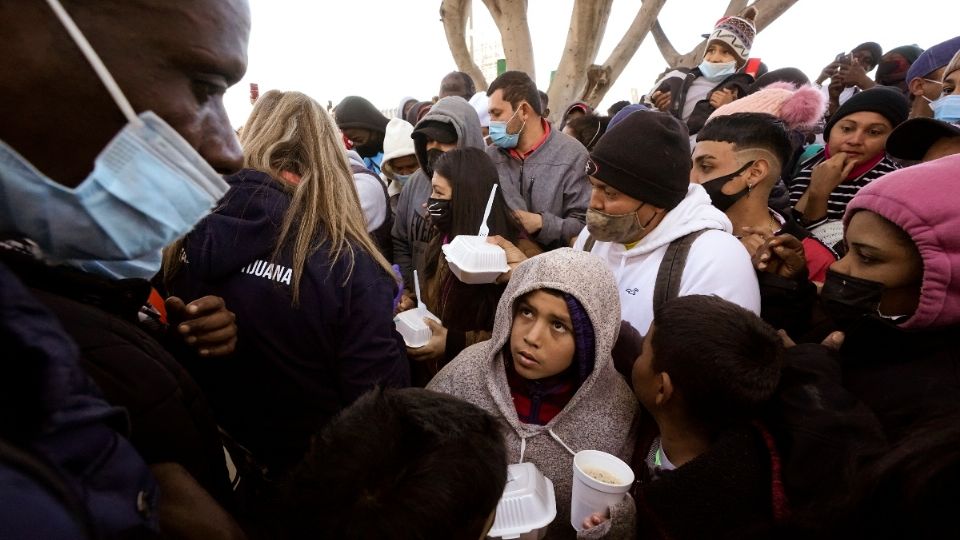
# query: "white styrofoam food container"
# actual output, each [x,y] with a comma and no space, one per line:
[527,506]
[410,324]
[474,260]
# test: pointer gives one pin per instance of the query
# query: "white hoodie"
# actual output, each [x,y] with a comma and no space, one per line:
[370,189]
[718,264]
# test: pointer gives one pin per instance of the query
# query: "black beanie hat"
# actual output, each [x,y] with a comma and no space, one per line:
[356,112]
[645,156]
[886,101]
[873,48]
[910,52]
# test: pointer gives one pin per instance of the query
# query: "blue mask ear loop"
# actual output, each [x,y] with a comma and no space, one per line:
[523,125]
[98,66]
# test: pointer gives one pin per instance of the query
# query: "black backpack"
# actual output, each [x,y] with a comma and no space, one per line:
[670,273]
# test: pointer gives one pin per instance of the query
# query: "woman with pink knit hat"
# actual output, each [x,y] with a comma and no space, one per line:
[896,296]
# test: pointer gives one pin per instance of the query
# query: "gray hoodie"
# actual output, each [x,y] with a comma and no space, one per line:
[600,416]
[551,181]
[411,232]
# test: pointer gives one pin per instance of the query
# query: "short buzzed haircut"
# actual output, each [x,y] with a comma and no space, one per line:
[750,131]
[517,87]
[723,359]
[402,464]
[457,83]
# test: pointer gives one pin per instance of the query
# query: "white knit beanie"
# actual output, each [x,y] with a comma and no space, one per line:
[397,141]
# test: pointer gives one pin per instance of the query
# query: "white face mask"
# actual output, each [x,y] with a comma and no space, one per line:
[148,187]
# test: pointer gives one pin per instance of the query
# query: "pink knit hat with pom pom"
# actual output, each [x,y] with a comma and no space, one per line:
[797,107]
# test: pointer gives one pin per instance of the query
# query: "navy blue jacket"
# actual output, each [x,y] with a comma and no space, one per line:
[65,469]
[294,367]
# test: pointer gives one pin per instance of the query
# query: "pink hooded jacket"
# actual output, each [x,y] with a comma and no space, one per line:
[924,201]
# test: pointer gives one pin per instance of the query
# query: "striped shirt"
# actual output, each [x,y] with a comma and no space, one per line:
[842,194]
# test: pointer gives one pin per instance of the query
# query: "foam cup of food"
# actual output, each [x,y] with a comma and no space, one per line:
[600,481]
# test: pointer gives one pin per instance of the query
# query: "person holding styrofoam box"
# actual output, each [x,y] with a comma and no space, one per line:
[547,373]
[457,280]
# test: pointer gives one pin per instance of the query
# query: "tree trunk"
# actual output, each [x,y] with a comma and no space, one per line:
[604,76]
[454,14]
[510,17]
[587,26]
[577,75]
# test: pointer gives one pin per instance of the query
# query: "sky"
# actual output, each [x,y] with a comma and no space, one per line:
[387,49]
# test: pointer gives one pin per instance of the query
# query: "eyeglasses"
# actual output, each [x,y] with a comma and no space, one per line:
[933,81]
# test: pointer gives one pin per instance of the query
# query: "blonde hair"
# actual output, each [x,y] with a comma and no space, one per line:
[290,132]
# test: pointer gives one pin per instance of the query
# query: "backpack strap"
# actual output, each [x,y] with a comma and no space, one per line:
[588,245]
[47,477]
[670,273]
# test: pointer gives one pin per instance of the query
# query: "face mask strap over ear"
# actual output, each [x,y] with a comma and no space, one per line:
[98,66]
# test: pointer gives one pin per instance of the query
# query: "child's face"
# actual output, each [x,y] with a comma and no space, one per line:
[718,54]
[541,340]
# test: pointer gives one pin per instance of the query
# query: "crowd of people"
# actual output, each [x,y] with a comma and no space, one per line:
[746,287]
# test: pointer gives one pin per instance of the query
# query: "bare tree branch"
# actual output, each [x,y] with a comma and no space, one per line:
[667,50]
[767,12]
[625,49]
[734,7]
[454,14]
[510,17]
[587,26]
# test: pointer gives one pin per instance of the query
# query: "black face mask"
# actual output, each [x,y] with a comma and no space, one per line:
[369,149]
[440,214]
[720,199]
[433,155]
[847,299]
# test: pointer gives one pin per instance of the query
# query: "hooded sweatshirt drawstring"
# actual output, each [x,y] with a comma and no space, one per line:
[563,444]
[623,263]
[523,444]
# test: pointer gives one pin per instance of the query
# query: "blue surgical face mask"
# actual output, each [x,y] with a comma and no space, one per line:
[144,267]
[499,136]
[717,71]
[947,108]
[148,187]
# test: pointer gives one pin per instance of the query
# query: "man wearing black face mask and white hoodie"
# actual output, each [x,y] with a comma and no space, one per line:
[658,233]
[111,170]
[451,123]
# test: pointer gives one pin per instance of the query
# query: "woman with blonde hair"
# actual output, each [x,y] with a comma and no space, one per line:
[288,250]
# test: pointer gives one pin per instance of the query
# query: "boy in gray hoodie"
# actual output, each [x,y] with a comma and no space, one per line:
[547,374]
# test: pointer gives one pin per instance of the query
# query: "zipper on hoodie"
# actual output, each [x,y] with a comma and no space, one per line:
[521,180]
[536,398]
